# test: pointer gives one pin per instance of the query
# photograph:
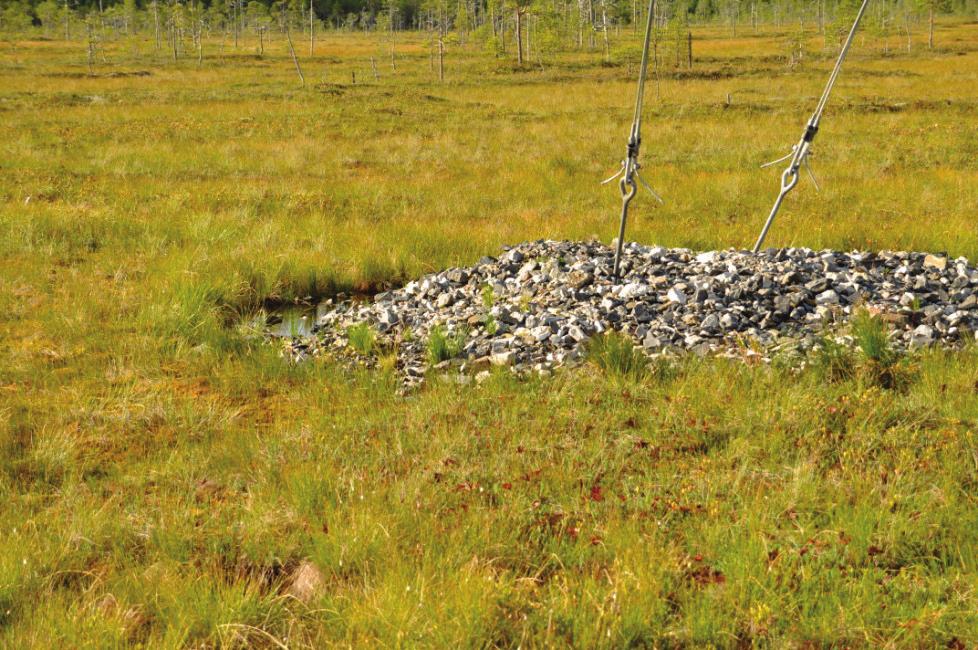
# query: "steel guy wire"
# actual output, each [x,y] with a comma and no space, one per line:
[628,174]
[800,152]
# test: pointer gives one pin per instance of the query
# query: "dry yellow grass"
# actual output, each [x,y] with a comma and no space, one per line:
[163,473]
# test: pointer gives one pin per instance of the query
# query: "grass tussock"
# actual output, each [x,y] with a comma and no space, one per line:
[881,364]
[362,338]
[617,356]
[444,345]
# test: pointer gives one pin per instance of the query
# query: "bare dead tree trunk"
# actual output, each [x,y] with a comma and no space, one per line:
[604,30]
[91,50]
[295,59]
[580,24]
[261,40]
[67,16]
[590,19]
[502,33]
[441,53]
[906,27]
[312,29]
[689,50]
[156,22]
[519,36]
[373,64]
[930,28]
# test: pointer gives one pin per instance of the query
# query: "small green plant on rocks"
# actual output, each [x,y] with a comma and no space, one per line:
[488,296]
[443,345]
[491,325]
[362,338]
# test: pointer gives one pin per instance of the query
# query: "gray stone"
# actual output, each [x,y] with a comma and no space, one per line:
[444,300]
[553,296]
[710,323]
[922,336]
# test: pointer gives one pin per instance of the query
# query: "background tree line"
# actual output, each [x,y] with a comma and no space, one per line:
[524,29]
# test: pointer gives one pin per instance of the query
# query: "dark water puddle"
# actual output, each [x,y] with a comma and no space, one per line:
[299,320]
[294,321]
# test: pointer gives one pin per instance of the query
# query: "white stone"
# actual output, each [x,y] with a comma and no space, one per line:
[676,295]
[632,290]
[827,297]
[503,358]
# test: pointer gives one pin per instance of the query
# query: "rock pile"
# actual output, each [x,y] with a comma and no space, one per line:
[537,304]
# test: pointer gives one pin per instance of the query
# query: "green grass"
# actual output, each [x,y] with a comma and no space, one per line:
[362,338]
[163,473]
[616,355]
[443,345]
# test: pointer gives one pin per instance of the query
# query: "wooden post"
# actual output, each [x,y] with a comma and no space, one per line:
[689,50]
